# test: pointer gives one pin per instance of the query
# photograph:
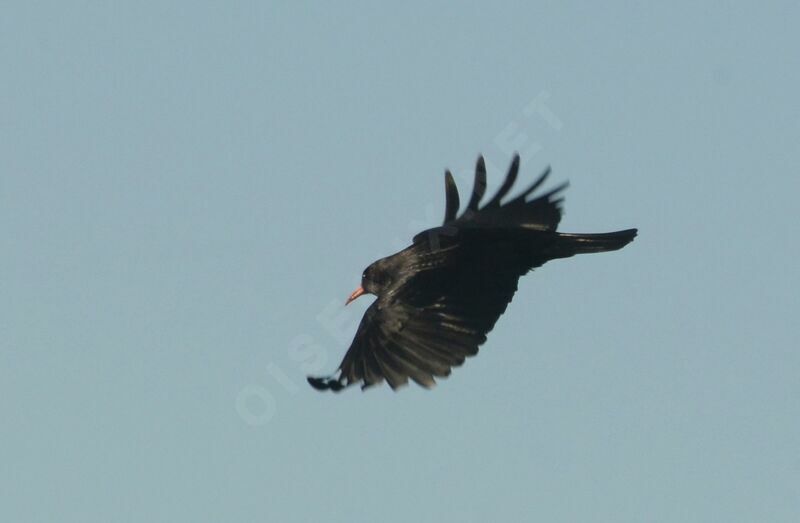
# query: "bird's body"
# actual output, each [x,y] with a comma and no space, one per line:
[438,298]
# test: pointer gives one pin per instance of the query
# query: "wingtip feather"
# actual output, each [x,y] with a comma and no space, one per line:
[479,186]
[511,177]
[451,197]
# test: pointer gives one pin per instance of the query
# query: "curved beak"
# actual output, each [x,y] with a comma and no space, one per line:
[356,293]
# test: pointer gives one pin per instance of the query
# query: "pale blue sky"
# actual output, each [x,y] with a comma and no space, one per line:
[189,191]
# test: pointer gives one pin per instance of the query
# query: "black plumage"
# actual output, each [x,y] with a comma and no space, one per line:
[438,298]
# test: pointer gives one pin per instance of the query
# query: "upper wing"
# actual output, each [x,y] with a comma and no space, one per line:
[542,213]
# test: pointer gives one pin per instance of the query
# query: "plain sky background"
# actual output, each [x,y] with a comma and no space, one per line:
[189,190]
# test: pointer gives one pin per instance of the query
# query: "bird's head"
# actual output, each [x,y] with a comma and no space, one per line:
[374,279]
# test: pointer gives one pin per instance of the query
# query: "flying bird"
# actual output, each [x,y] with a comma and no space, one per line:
[438,298]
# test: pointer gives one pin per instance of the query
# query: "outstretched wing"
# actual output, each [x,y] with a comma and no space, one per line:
[399,343]
[540,213]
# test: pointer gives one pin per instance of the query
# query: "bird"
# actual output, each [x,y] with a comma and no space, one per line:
[438,298]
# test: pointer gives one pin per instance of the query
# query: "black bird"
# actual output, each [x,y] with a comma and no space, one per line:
[440,297]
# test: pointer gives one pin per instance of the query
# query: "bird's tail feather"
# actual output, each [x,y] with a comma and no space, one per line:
[571,244]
